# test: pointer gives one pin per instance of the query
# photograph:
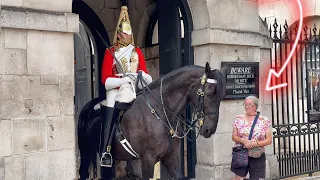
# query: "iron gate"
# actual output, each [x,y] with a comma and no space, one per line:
[295,108]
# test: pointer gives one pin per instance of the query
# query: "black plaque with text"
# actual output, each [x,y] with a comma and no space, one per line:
[242,79]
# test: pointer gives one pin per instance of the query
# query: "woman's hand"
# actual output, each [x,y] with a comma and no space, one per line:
[254,143]
[247,143]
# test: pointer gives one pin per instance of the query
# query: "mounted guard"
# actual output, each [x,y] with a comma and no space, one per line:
[120,66]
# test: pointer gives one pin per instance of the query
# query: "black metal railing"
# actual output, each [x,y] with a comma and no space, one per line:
[296,107]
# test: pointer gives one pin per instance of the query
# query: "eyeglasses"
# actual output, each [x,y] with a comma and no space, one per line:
[247,105]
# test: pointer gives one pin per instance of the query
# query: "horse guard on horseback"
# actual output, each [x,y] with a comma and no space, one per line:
[120,68]
[146,113]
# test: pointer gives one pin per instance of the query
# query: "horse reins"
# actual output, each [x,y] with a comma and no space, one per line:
[199,111]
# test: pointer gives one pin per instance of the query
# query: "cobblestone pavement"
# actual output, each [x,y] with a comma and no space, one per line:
[315,176]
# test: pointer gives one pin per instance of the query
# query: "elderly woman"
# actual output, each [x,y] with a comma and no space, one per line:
[261,137]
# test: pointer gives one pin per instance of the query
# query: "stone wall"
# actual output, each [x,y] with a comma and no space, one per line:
[287,10]
[225,31]
[152,60]
[36,90]
[50,5]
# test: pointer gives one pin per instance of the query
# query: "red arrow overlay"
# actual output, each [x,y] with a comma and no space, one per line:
[277,74]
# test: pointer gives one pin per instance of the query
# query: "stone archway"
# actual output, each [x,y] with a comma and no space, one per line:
[141,36]
[200,14]
[139,12]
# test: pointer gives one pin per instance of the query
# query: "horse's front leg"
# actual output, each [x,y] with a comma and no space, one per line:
[130,169]
[134,169]
[121,169]
[172,163]
[147,166]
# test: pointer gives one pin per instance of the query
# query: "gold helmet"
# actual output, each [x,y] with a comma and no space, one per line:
[123,25]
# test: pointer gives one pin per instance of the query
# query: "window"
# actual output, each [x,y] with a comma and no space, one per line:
[312,59]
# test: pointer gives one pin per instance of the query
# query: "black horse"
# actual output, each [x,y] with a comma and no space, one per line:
[150,136]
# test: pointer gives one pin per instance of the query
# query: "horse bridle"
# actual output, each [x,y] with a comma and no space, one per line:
[199,112]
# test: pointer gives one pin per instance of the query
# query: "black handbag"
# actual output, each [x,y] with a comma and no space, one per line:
[240,155]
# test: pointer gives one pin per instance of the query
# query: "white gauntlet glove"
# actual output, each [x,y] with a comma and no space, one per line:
[112,82]
[126,80]
[147,78]
[126,91]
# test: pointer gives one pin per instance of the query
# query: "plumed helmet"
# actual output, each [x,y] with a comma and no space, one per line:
[123,25]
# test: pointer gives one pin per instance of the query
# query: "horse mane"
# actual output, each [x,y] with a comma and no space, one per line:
[215,74]
[173,74]
[221,81]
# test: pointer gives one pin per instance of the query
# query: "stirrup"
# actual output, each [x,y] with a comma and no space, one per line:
[104,160]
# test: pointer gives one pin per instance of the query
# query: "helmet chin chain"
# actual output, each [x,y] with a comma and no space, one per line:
[122,44]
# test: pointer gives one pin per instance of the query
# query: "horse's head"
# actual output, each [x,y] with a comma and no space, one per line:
[209,95]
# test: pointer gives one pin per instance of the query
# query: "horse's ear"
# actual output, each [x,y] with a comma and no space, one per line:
[207,68]
[224,70]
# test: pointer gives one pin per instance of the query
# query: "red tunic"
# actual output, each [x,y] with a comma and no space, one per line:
[109,69]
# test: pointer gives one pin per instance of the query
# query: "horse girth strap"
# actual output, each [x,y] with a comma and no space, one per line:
[119,134]
[124,142]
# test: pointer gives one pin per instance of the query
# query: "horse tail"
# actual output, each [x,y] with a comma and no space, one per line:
[87,113]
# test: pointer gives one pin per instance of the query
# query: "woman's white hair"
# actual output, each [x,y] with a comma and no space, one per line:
[254,99]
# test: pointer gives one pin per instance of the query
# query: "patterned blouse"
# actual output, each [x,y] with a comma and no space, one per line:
[259,132]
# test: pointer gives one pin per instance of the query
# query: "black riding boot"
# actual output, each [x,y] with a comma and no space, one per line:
[111,115]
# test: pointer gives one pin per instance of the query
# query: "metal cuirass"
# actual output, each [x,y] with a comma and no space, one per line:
[128,60]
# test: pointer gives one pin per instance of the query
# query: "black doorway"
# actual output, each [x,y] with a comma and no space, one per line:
[174,21]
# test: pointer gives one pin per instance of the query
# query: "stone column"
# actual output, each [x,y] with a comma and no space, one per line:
[36,90]
[225,31]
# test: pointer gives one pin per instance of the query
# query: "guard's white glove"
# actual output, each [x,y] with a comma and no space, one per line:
[126,80]
[112,82]
[126,93]
[147,78]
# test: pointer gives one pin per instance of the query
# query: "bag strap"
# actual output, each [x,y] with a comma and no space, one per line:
[253,124]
